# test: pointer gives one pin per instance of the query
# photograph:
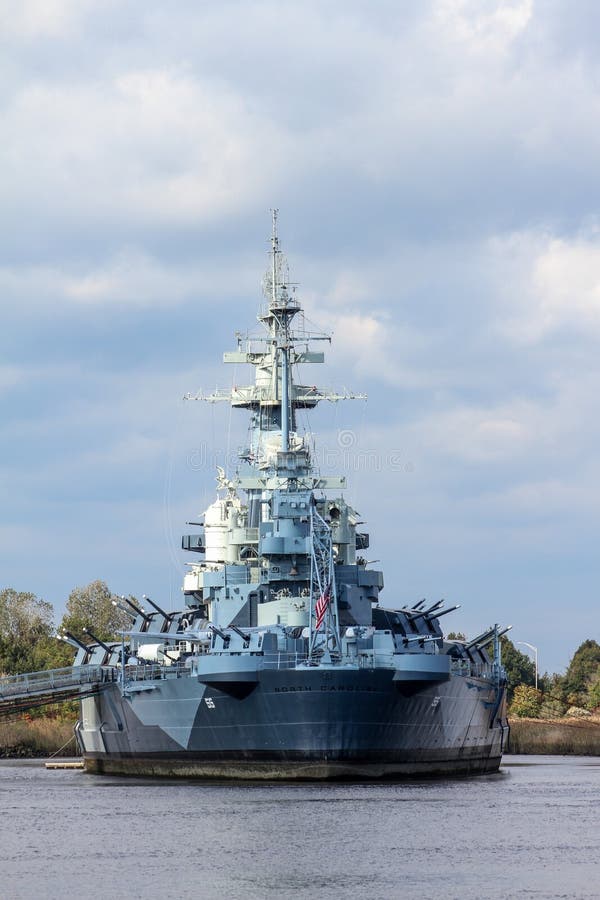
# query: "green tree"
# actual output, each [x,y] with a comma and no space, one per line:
[553,705]
[581,673]
[593,697]
[519,668]
[526,702]
[92,607]
[50,653]
[27,641]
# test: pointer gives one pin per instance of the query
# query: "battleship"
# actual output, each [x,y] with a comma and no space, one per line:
[284,662]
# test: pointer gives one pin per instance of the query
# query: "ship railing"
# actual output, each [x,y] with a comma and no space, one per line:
[292,660]
[370,659]
[281,660]
[54,679]
[473,670]
[155,671]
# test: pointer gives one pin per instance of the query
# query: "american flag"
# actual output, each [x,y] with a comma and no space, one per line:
[321,607]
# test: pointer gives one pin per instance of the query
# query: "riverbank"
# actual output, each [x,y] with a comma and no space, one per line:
[37,738]
[552,737]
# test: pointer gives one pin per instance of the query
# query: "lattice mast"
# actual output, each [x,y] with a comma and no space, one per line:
[324,639]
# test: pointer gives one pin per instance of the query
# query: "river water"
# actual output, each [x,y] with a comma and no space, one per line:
[531,831]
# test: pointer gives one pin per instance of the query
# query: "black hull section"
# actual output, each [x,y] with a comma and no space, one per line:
[286,769]
[295,724]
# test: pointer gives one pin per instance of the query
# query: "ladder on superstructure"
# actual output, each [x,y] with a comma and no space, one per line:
[324,641]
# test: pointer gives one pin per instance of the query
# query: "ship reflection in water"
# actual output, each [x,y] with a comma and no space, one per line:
[530,831]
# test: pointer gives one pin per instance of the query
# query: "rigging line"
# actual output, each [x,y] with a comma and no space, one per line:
[367,456]
[213,450]
[302,416]
[60,749]
[168,528]
[319,331]
[228,452]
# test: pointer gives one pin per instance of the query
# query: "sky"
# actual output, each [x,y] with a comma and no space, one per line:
[435,165]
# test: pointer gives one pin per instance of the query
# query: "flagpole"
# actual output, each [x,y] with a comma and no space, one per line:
[312,569]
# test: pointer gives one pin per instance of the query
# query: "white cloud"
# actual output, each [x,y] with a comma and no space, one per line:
[548,499]
[551,284]
[146,145]
[556,432]
[475,434]
[27,19]
[134,279]
[158,132]
[10,376]
[566,283]
[483,27]
[129,278]
[368,344]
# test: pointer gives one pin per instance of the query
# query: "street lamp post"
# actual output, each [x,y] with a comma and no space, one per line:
[535,651]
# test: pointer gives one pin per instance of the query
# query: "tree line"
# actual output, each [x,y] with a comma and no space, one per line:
[577,692]
[28,636]
[28,643]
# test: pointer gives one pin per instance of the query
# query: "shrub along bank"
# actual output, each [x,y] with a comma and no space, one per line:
[564,736]
[30,738]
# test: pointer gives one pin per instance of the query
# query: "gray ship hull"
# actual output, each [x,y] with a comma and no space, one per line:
[294,724]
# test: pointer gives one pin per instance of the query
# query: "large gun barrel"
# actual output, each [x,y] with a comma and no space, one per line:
[487,637]
[221,634]
[73,641]
[136,609]
[124,609]
[448,610]
[489,633]
[245,637]
[424,612]
[98,641]
[157,608]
